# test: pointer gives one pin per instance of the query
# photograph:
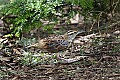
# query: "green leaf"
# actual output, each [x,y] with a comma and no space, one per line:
[17,34]
[8,35]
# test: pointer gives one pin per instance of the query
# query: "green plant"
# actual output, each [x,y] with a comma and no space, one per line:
[29,13]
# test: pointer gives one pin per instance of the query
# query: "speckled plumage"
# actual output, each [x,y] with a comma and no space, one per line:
[57,43]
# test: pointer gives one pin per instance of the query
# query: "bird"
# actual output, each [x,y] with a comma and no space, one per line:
[54,44]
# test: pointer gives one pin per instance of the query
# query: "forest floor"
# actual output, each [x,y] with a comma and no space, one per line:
[102,61]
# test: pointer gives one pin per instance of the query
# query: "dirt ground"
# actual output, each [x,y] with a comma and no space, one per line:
[101,63]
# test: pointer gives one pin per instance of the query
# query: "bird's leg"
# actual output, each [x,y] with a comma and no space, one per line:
[72,44]
[71,51]
[67,51]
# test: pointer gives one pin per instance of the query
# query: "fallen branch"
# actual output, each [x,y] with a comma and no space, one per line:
[71,60]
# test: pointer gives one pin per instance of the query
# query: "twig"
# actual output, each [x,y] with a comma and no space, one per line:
[71,60]
[113,24]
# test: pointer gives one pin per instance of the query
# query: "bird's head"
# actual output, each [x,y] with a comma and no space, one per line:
[71,34]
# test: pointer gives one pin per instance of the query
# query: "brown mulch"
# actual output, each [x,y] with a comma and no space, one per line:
[102,63]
